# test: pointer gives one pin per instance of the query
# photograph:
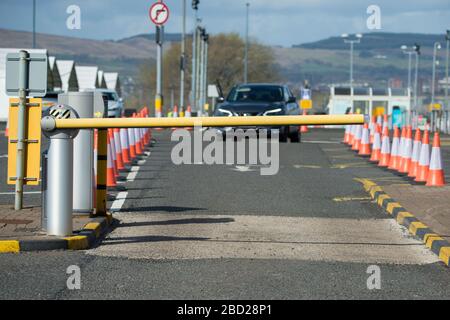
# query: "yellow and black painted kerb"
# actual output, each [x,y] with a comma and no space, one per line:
[433,241]
[84,239]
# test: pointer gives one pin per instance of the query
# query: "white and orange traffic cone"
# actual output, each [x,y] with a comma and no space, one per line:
[125,146]
[304,129]
[110,175]
[118,145]
[346,134]
[364,148]
[394,161]
[385,149]
[415,154]
[351,135]
[401,147]
[424,159]
[357,138]
[376,147]
[436,177]
[405,164]
[113,151]
[132,144]
[385,121]
[372,128]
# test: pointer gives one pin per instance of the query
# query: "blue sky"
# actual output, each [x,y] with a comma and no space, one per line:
[276,22]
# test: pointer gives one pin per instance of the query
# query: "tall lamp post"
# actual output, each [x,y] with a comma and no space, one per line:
[436,47]
[416,77]
[195,4]
[447,80]
[410,52]
[183,57]
[246,45]
[352,40]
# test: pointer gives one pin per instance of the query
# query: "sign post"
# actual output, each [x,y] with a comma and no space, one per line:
[26,75]
[159,14]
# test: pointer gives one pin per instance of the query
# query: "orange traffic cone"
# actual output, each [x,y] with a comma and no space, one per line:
[110,175]
[357,138]
[347,134]
[376,147]
[7,128]
[125,146]
[385,121]
[364,149]
[351,135]
[136,140]
[385,149]
[118,145]
[436,177]
[372,128]
[304,129]
[394,161]
[401,147]
[424,159]
[132,144]
[415,155]
[407,152]
[113,151]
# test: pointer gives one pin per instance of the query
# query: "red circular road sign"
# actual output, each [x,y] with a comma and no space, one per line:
[159,13]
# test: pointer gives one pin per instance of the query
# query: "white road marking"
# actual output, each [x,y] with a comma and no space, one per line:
[325,142]
[4,156]
[243,169]
[132,175]
[13,193]
[120,200]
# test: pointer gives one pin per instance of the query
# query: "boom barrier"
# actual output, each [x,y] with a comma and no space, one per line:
[62,125]
[50,123]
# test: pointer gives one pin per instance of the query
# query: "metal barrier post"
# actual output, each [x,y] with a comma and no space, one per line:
[83,197]
[59,180]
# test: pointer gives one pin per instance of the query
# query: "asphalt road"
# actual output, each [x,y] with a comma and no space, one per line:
[226,232]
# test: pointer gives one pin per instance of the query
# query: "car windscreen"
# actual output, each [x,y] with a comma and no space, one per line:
[256,94]
[110,96]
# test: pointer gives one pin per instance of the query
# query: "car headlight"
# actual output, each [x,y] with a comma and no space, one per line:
[273,111]
[225,112]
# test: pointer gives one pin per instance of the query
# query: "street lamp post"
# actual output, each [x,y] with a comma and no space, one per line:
[195,4]
[246,44]
[352,40]
[436,47]
[183,57]
[447,82]
[410,53]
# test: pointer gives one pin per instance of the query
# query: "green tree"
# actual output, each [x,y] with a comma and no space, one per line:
[225,65]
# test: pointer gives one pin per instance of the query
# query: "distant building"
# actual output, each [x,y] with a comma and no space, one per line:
[444,83]
[68,75]
[87,78]
[101,80]
[113,82]
[57,83]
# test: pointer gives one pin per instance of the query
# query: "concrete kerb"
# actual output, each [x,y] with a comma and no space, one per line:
[85,239]
[433,241]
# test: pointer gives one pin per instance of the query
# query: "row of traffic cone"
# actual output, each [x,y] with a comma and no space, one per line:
[124,148]
[406,156]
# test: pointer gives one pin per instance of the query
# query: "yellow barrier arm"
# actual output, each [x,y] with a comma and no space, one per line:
[208,122]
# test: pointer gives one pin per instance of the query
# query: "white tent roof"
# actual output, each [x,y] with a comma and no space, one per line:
[65,68]
[87,77]
[111,80]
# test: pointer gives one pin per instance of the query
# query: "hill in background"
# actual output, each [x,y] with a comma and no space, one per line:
[377,58]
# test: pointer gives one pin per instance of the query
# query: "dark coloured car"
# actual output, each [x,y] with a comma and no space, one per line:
[261,100]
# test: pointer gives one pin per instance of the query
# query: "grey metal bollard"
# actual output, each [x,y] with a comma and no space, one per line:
[83,152]
[59,179]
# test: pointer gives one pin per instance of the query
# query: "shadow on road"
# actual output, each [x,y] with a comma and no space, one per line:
[177,222]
